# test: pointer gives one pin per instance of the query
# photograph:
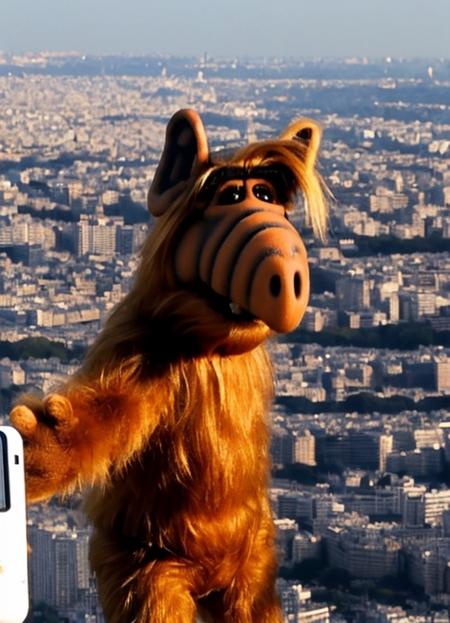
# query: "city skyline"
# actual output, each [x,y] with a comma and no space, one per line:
[360,440]
[295,28]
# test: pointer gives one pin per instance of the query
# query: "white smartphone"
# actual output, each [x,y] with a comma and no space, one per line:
[14,601]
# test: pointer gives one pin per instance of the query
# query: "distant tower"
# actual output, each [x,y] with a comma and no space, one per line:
[399,183]
[103,238]
[353,293]
[386,446]
[305,449]
[82,235]
[82,556]
[394,307]
[251,131]
[282,447]
[65,546]
[442,375]
[200,76]
[42,573]
[446,522]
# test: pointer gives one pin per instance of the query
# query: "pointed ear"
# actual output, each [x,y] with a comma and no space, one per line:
[308,132]
[185,150]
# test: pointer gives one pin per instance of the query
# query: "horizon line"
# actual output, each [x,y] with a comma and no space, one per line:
[388,58]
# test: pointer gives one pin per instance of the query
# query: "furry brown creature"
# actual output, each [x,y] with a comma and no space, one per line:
[166,421]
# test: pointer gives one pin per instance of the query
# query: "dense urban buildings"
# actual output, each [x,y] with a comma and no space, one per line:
[361,426]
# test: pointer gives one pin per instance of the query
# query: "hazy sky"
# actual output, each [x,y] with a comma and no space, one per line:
[229,27]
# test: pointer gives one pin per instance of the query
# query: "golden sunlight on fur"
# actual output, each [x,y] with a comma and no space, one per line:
[166,422]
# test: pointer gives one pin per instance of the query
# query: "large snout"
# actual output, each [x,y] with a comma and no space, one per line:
[259,262]
[253,258]
[271,278]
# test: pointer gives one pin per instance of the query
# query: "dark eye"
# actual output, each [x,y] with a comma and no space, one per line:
[231,194]
[264,193]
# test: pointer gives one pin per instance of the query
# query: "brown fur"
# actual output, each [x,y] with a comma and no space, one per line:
[167,422]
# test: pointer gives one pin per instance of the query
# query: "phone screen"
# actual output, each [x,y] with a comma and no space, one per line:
[14,597]
[4,484]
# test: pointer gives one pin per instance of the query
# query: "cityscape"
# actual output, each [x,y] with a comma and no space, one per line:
[361,417]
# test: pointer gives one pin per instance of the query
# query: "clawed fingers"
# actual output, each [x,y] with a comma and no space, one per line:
[24,420]
[55,412]
[46,428]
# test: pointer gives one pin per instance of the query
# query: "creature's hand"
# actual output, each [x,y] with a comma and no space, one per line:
[47,427]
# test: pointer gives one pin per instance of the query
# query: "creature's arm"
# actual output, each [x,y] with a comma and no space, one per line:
[75,437]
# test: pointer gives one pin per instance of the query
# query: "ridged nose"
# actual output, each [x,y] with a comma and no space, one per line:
[280,294]
[252,257]
[271,278]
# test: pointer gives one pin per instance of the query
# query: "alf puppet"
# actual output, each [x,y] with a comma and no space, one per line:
[166,421]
